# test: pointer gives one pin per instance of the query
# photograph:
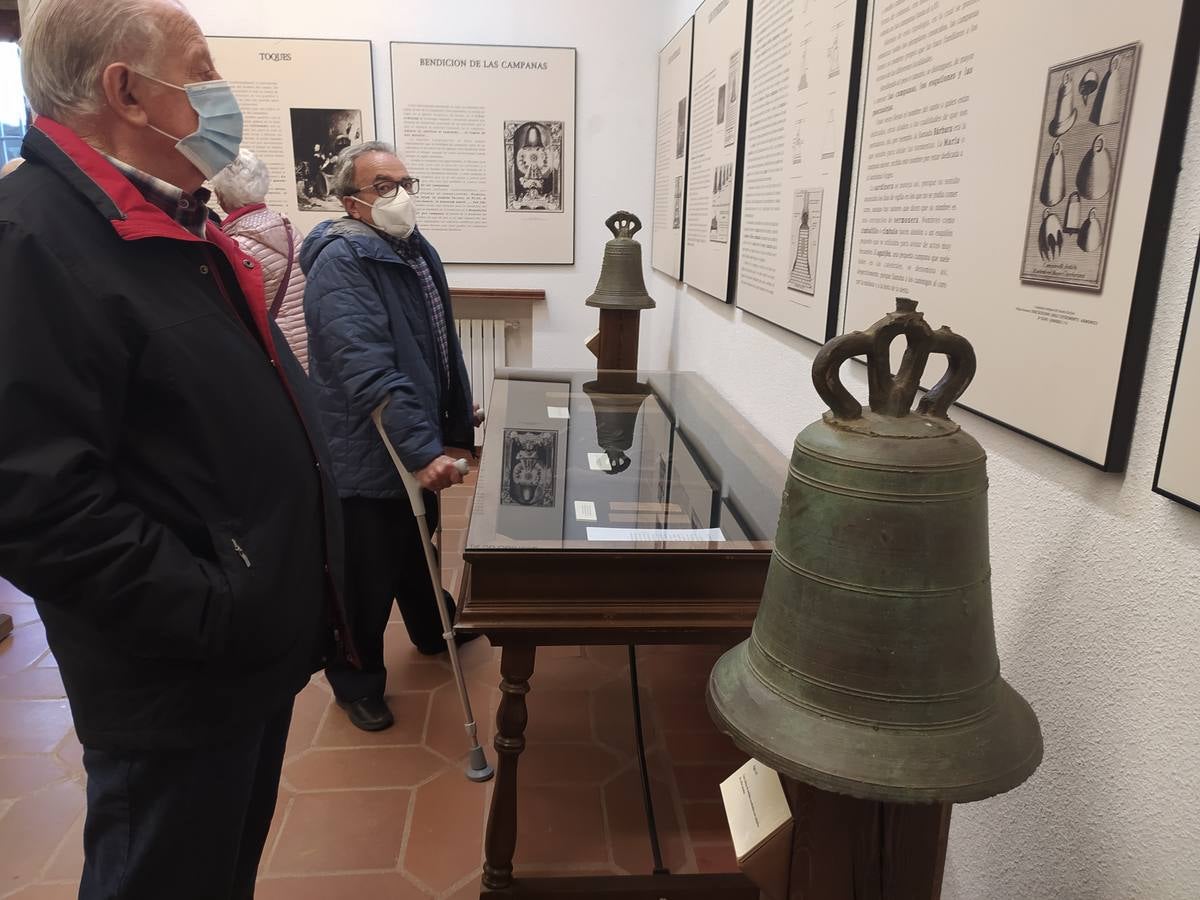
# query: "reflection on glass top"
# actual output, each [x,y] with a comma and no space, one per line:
[621,460]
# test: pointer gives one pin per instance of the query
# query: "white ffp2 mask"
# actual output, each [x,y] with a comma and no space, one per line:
[395,215]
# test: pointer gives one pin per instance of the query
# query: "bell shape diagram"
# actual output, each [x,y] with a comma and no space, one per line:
[1064,112]
[1054,178]
[1050,236]
[1073,213]
[1095,172]
[1091,235]
[1110,98]
[1088,85]
[872,669]
[621,285]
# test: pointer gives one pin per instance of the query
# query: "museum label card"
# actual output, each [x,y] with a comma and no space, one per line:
[761,825]
[585,511]
[558,412]
[652,535]
[598,462]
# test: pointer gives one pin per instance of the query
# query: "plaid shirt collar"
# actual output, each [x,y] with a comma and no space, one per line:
[190,212]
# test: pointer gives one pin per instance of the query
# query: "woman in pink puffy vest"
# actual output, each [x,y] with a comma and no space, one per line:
[270,238]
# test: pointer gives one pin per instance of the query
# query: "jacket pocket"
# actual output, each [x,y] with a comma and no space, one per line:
[258,631]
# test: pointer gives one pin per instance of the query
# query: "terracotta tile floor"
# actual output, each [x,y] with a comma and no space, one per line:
[390,815]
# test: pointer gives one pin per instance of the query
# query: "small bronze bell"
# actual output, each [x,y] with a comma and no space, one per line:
[872,667]
[621,285]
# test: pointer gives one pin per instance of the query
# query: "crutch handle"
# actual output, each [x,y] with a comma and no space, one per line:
[411,485]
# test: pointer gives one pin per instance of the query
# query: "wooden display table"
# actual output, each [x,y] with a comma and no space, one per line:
[685,461]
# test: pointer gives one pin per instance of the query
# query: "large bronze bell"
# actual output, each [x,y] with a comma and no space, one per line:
[872,667]
[621,285]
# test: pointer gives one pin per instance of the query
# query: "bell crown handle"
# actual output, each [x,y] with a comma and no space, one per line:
[893,394]
[623,224]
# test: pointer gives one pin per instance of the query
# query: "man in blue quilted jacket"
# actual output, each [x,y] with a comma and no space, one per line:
[380,329]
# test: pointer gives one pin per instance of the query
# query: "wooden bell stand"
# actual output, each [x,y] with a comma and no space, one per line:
[844,848]
[615,345]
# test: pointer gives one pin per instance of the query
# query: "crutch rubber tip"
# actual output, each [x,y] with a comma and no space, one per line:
[478,768]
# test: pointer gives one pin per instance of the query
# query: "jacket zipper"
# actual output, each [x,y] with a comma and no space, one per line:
[237,548]
[339,609]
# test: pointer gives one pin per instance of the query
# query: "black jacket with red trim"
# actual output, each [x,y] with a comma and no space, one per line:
[164,495]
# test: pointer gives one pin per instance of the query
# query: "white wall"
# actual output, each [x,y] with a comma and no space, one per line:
[617,71]
[1097,607]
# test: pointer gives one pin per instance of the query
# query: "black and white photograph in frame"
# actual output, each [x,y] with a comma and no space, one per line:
[681,128]
[806,236]
[490,130]
[530,461]
[1177,474]
[318,136]
[533,161]
[1077,171]
[732,94]
[674,111]
[298,117]
[712,187]
[1061,350]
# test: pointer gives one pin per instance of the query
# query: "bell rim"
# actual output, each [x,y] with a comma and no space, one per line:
[993,780]
[601,302]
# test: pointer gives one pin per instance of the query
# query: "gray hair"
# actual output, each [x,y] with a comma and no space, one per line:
[69,44]
[244,181]
[343,176]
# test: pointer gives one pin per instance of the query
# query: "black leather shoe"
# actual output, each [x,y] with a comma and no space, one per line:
[369,713]
[440,647]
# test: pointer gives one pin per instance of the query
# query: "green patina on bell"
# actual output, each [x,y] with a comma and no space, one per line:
[621,285]
[872,667]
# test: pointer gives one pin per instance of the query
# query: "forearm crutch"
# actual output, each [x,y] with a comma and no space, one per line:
[478,768]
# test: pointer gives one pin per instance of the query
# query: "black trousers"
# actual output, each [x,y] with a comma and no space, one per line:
[385,563]
[184,824]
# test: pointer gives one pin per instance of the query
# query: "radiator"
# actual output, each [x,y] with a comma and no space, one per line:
[483,350]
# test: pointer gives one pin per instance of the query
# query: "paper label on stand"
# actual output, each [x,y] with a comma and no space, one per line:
[585,511]
[598,462]
[654,535]
[558,412]
[755,806]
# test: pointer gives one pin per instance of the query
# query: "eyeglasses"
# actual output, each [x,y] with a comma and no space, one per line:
[386,188]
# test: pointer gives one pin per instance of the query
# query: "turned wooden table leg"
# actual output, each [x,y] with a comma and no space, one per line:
[516,668]
[849,849]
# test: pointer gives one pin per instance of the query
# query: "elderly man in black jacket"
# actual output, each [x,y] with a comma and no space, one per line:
[163,495]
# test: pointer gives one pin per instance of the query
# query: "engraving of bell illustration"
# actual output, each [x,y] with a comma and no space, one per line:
[1050,236]
[1091,235]
[1073,213]
[1065,113]
[1109,98]
[1054,179]
[1095,172]
[871,669]
[1088,85]
[801,275]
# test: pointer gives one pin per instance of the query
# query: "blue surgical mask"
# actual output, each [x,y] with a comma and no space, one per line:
[216,141]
